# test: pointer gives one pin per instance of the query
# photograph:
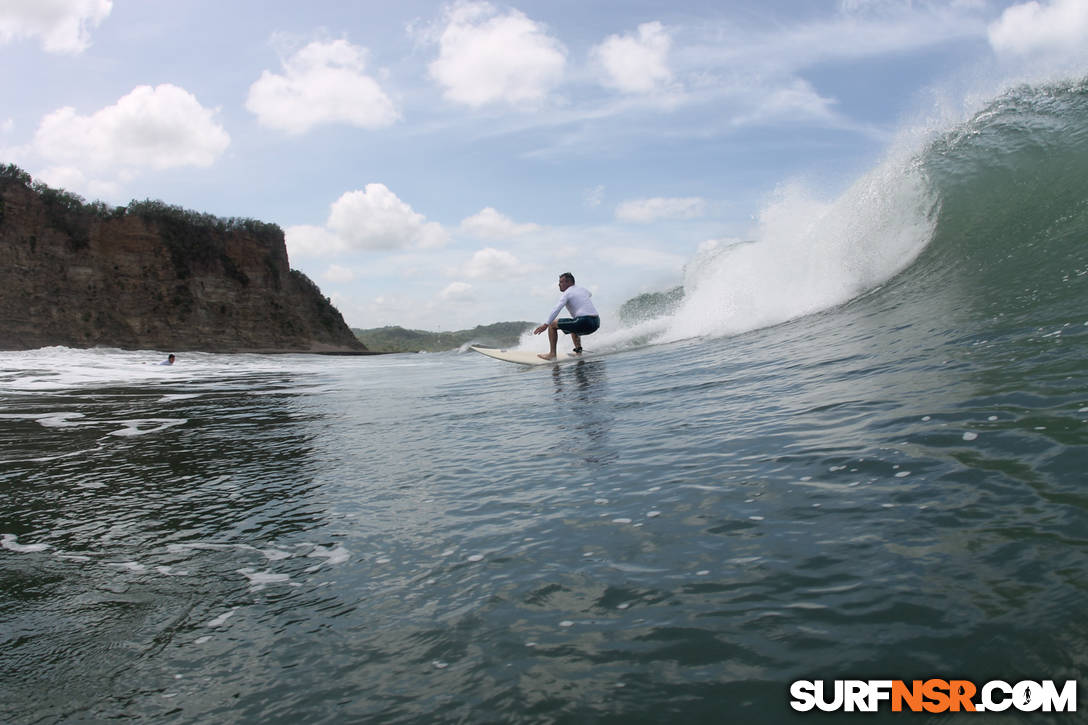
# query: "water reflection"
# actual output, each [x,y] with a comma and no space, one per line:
[585,410]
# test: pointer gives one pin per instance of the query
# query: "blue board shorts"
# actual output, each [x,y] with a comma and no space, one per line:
[585,325]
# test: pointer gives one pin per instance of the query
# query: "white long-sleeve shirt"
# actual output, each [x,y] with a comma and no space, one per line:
[576,300]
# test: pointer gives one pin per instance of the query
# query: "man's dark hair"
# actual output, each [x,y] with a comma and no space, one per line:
[568,275]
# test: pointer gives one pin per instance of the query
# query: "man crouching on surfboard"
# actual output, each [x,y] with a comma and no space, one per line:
[583,319]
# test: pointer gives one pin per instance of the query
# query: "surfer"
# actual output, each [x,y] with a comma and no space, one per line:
[169,360]
[583,319]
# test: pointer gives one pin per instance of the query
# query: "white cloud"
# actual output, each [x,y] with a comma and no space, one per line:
[157,128]
[310,241]
[71,178]
[489,57]
[324,82]
[63,25]
[492,264]
[457,292]
[644,211]
[756,72]
[635,64]
[372,219]
[375,219]
[794,100]
[337,274]
[1033,27]
[490,224]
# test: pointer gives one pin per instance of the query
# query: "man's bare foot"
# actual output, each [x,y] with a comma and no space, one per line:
[545,356]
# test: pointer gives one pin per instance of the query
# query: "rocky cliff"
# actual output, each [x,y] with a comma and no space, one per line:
[151,276]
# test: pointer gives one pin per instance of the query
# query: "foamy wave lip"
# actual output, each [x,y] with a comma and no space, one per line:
[136,427]
[808,253]
[11,543]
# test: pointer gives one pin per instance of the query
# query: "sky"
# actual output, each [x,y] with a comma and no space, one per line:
[437,165]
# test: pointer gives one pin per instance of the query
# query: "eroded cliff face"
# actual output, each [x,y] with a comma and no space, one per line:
[81,279]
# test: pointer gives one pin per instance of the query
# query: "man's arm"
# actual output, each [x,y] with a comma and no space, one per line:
[555,313]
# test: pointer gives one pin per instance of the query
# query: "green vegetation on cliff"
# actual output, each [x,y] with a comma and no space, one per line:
[398,339]
[63,205]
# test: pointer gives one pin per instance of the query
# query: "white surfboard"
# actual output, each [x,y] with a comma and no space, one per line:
[526,357]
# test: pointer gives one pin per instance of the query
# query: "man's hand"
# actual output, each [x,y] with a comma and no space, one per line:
[540,329]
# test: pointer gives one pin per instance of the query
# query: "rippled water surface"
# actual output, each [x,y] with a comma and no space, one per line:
[673,532]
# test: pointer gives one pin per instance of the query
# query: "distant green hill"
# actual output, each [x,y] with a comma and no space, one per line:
[398,339]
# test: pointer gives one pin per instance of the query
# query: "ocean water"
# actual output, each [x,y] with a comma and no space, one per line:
[857,451]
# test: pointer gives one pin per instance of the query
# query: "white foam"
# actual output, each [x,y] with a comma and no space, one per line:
[970,436]
[204,546]
[59,420]
[258,579]
[808,255]
[10,542]
[169,571]
[61,368]
[334,555]
[221,619]
[132,566]
[140,427]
